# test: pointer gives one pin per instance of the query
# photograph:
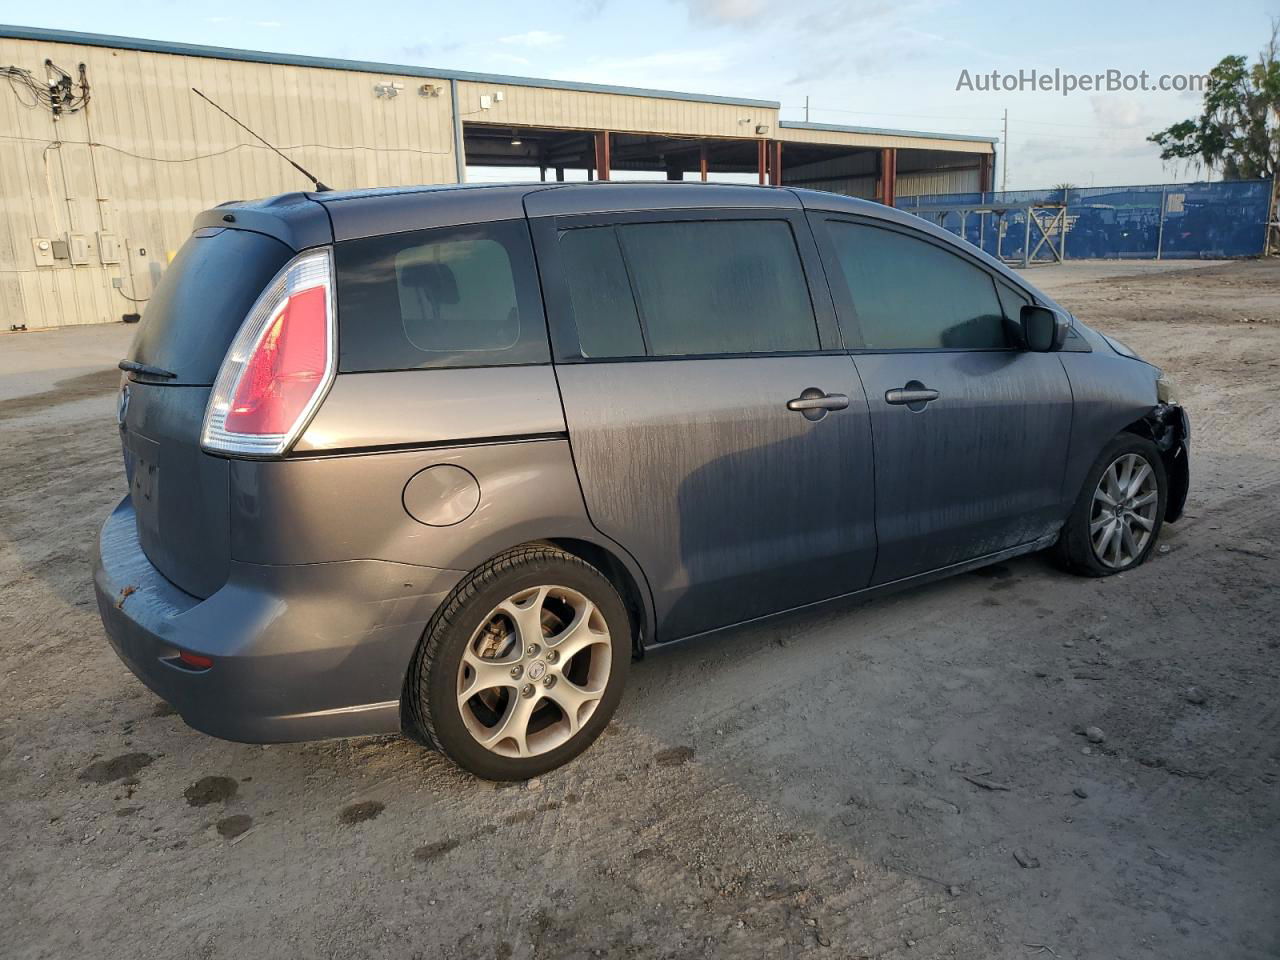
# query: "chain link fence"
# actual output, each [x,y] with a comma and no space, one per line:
[1187,221]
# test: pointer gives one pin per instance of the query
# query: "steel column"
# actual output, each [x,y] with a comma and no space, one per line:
[775,162]
[761,162]
[985,163]
[702,161]
[1164,196]
[602,154]
[888,175]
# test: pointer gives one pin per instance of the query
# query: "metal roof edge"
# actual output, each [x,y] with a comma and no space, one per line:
[48,35]
[882,132]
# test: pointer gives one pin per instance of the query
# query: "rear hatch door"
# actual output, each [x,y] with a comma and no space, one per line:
[179,492]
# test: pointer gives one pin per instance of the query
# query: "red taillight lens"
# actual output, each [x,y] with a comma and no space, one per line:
[285,369]
[279,365]
[196,661]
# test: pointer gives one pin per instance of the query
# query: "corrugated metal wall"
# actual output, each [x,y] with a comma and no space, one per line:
[854,175]
[590,110]
[163,155]
[147,155]
[938,181]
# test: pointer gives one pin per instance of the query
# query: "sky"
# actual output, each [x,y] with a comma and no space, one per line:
[868,63]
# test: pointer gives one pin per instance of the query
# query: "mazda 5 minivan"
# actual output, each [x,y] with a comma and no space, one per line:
[444,460]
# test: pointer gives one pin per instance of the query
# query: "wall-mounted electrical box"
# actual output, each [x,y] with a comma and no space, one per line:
[108,248]
[78,245]
[43,250]
[486,101]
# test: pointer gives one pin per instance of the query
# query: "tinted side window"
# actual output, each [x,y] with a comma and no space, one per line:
[911,294]
[604,309]
[719,286]
[448,297]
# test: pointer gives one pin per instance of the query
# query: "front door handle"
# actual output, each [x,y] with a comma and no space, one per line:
[914,395]
[815,403]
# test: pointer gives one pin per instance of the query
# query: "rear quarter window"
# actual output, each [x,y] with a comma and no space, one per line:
[447,297]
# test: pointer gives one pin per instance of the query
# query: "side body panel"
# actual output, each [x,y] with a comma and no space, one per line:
[735,506]
[341,495]
[1111,392]
[977,470]
[426,407]
[322,509]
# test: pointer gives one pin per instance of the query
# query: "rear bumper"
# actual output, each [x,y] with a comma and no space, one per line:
[301,652]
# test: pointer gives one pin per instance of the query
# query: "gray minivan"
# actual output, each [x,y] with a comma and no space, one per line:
[443,460]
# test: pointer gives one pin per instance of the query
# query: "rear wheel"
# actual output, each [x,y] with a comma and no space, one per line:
[1117,518]
[523,666]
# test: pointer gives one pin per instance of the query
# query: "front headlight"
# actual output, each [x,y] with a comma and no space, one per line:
[1167,390]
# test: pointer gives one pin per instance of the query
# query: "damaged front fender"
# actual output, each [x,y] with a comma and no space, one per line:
[1170,430]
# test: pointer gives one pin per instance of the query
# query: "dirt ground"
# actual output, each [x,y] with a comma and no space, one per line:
[901,779]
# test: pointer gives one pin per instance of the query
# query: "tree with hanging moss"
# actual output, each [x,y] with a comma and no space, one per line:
[1238,131]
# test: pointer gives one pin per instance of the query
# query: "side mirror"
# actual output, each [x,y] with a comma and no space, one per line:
[1043,330]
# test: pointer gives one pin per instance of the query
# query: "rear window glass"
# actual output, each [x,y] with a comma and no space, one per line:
[202,299]
[688,288]
[448,297]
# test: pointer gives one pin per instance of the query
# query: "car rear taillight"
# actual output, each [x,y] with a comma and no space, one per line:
[195,661]
[280,364]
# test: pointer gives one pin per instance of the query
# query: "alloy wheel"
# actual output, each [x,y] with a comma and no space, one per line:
[1123,516]
[534,671]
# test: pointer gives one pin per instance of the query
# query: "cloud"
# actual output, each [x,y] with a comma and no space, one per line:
[533,38]
[416,51]
[733,12]
[508,58]
[656,65]
[1120,113]
[268,24]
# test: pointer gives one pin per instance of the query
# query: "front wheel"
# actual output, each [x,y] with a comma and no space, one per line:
[1117,518]
[522,667]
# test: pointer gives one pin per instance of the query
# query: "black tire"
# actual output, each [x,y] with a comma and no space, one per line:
[1074,550]
[432,713]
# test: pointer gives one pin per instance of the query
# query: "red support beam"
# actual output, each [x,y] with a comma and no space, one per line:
[762,161]
[985,166]
[602,154]
[702,162]
[775,162]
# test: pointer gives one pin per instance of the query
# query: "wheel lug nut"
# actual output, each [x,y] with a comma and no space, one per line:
[552,656]
[517,672]
[533,650]
[526,690]
[549,681]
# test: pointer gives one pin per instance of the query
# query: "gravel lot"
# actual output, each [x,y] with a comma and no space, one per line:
[902,778]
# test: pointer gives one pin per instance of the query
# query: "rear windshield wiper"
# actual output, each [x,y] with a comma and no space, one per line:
[133,366]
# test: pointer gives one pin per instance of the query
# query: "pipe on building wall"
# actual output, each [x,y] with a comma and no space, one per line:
[459,144]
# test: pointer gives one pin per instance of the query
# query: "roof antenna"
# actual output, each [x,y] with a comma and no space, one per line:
[320,187]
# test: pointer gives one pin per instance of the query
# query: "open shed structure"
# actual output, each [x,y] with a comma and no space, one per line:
[106,154]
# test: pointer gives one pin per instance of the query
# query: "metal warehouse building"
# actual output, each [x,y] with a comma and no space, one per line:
[106,155]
